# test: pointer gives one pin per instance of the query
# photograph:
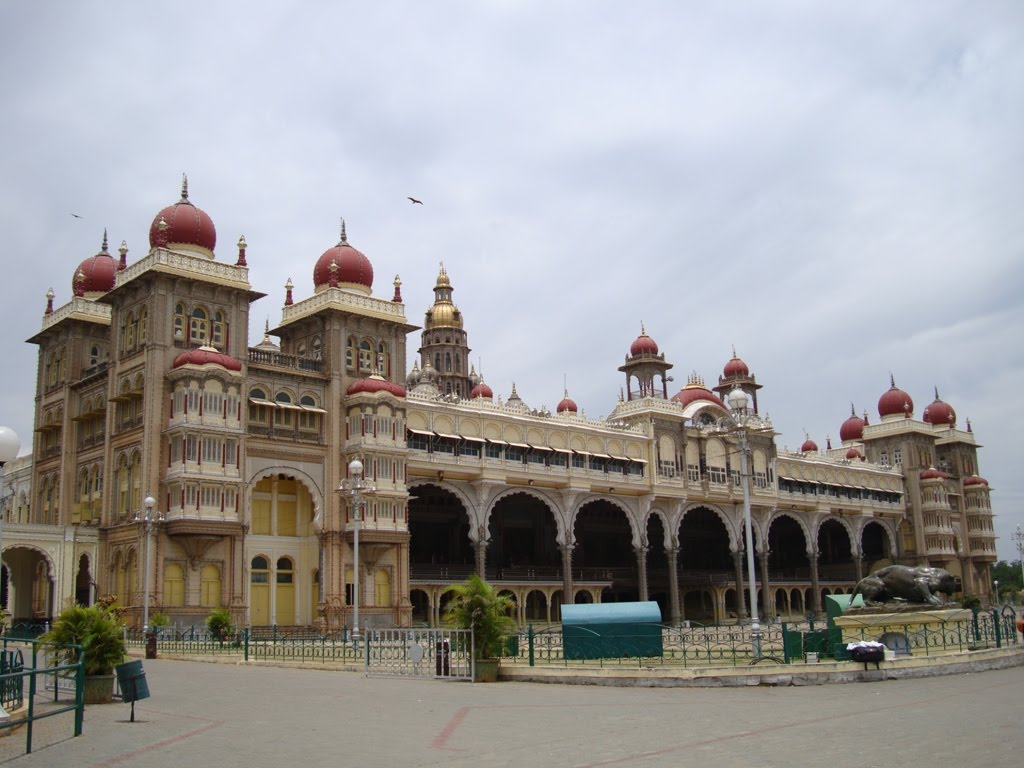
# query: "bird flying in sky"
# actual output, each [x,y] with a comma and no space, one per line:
[76,215]
[414,201]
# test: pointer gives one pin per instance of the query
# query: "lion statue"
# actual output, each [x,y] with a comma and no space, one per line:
[921,584]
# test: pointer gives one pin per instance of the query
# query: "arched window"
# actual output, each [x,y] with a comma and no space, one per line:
[129,329]
[365,356]
[220,330]
[131,580]
[136,500]
[350,353]
[209,586]
[259,570]
[285,571]
[179,321]
[316,347]
[448,362]
[143,320]
[199,329]
[283,412]
[383,360]
[174,585]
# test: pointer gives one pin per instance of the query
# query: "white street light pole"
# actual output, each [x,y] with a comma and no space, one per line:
[354,487]
[9,447]
[1019,538]
[148,519]
[741,421]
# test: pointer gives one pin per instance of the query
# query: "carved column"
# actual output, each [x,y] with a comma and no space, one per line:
[741,601]
[766,600]
[480,552]
[815,588]
[858,563]
[675,614]
[641,567]
[568,598]
[966,576]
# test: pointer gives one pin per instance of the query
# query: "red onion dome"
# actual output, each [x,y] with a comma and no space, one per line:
[933,474]
[643,344]
[183,224]
[939,413]
[735,367]
[975,480]
[566,404]
[853,427]
[809,446]
[373,384]
[207,356]
[95,275]
[895,402]
[481,390]
[693,392]
[852,454]
[343,267]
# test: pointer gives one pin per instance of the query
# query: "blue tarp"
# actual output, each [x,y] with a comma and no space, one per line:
[611,630]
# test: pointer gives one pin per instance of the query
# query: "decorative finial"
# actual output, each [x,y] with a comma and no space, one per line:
[79,283]
[49,301]
[828,442]
[242,245]
[969,425]
[288,293]
[344,237]
[936,391]
[161,232]
[852,411]
[892,380]
[333,269]
[103,248]
[643,331]
[442,269]
[397,298]
[734,352]
[123,250]
[184,188]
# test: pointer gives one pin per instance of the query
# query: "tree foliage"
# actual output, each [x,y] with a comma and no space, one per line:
[1008,575]
[479,607]
[96,630]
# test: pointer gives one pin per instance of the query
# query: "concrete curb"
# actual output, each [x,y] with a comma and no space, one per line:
[822,673]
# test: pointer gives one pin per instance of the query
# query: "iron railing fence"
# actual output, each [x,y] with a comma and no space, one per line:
[45,696]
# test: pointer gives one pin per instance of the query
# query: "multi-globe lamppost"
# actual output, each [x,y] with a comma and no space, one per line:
[740,422]
[148,518]
[1018,537]
[354,487]
[9,447]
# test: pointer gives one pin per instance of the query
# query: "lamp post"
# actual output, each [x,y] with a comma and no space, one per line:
[354,487]
[1018,537]
[148,519]
[9,447]
[739,422]
[995,593]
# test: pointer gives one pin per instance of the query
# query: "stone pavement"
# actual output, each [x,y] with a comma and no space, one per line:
[222,715]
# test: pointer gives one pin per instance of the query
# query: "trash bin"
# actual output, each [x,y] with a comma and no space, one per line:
[151,645]
[131,681]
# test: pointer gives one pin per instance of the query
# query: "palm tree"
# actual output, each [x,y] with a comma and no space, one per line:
[477,606]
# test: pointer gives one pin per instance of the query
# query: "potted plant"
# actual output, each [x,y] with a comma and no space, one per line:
[220,626]
[96,630]
[478,607]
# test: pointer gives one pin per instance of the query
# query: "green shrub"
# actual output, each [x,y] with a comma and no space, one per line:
[96,630]
[477,606]
[219,624]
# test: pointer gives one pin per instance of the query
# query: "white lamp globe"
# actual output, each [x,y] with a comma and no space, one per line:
[737,400]
[9,445]
[355,467]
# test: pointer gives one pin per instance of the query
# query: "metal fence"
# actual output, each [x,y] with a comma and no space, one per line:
[441,654]
[45,696]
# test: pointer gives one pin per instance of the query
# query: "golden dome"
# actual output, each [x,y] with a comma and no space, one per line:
[444,313]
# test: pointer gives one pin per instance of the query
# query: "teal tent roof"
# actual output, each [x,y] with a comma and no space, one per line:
[611,613]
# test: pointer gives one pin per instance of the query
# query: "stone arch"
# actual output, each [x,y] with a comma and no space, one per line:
[779,514]
[634,530]
[730,528]
[552,504]
[315,492]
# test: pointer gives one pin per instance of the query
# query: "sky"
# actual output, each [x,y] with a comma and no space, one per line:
[834,189]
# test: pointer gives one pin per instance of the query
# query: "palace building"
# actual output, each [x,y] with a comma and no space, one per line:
[147,386]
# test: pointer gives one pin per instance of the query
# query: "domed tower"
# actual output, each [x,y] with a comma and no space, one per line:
[737,374]
[645,364]
[444,343]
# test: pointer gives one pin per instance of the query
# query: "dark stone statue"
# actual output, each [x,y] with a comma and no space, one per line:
[921,584]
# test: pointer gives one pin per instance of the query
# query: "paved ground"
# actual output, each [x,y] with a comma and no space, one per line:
[221,716]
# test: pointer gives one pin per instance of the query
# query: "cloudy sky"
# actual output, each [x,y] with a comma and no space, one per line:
[833,188]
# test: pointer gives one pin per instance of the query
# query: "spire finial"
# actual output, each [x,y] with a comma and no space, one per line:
[344,237]
[123,250]
[49,301]
[242,245]
[936,391]
[103,249]
[184,187]
[892,380]
[79,283]
[397,298]
[643,331]
[853,412]
[734,352]
[288,293]
[442,269]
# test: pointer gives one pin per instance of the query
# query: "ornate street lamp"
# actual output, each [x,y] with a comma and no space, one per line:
[354,487]
[9,447]
[739,422]
[1018,537]
[149,518]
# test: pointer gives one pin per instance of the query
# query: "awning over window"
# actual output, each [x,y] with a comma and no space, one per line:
[524,446]
[261,401]
[496,441]
[474,439]
[313,409]
[541,448]
[420,432]
[449,437]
